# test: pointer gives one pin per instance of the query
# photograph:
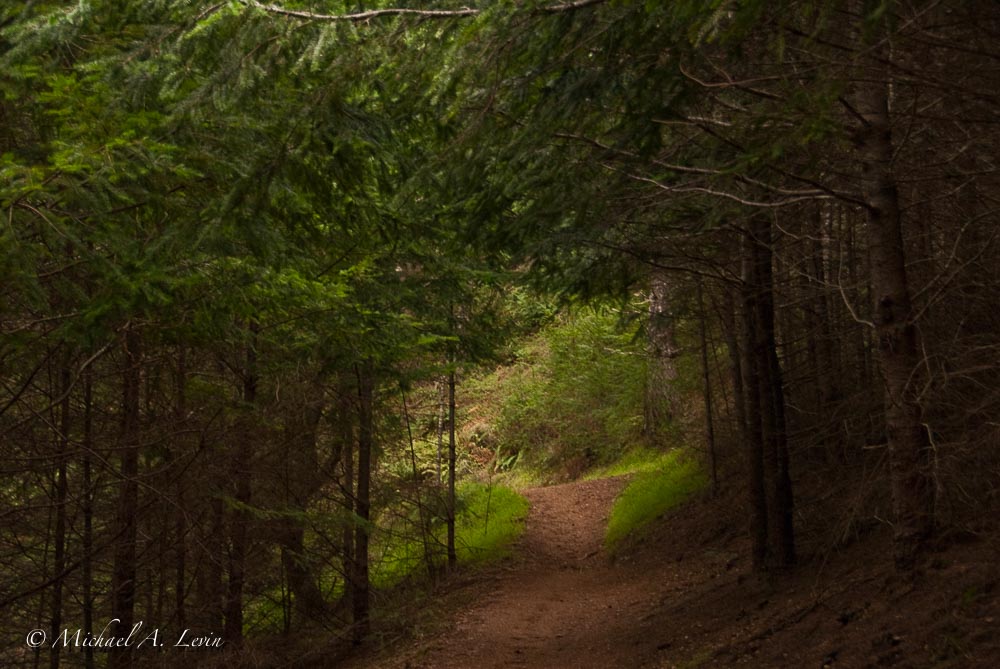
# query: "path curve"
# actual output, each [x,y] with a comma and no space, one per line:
[562,604]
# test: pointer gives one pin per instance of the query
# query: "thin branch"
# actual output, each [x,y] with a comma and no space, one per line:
[356,17]
[568,6]
[364,16]
[717,193]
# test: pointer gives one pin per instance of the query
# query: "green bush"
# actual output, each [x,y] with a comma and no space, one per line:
[652,493]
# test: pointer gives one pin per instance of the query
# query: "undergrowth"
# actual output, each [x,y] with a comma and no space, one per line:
[635,461]
[572,399]
[660,485]
[488,520]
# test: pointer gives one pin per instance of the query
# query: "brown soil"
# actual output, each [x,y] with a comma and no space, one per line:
[683,597]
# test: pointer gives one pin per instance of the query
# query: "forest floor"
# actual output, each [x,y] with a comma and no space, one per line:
[683,597]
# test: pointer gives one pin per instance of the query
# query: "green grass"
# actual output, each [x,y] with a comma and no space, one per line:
[657,487]
[635,461]
[488,520]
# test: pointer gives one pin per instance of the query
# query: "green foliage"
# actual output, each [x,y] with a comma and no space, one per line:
[489,518]
[573,398]
[640,460]
[652,493]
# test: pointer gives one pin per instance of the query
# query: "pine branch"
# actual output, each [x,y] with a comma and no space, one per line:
[364,16]
[400,11]
[569,6]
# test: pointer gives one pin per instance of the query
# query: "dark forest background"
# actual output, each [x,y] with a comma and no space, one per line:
[251,253]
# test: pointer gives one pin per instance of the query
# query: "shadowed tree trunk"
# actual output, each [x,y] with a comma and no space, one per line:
[772,401]
[753,437]
[345,419]
[240,517]
[88,513]
[707,389]
[911,477]
[452,554]
[360,581]
[731,332]
[62,488]
[180,512]
[303,478]
[124,568]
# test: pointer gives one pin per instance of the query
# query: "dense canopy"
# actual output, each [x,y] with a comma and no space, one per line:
[250,249]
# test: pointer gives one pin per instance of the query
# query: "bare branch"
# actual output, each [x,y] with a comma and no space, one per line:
[406,11]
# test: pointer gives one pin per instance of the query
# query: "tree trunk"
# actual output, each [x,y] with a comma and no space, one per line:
[303,478]
[731,332]
[210,589]
[452,555]
[240,517]
[59,549]
[360,583]
[821,338]
[898,345]
[308,599]
[124,568]
[753,437]
[180,512]
[88,514]
[425,522]
[345,412]
[442,404]
[772,401]
[707,390]
[661,405]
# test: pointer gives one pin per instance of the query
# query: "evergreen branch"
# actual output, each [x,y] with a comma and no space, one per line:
[568,6]
[366,15]
[400,11]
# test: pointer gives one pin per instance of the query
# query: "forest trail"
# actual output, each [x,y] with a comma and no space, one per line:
[684,597]
[562,603]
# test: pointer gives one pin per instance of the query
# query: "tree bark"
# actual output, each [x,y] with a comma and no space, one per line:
[360,594]
[88,514]
[124,568]
[661,405]
[345,417]
[302,480]
[452,554]
[308,599]
[731,332]
[240,517]
[180,512]
[898,344]
[62,489]
[753,437]
[707,390]
[772,401]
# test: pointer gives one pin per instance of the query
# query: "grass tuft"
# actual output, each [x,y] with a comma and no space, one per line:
[635,461]
[490,519]
[660,485]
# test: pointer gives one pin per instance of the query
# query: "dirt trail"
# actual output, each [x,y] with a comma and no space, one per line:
[685,597]
[562,604]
